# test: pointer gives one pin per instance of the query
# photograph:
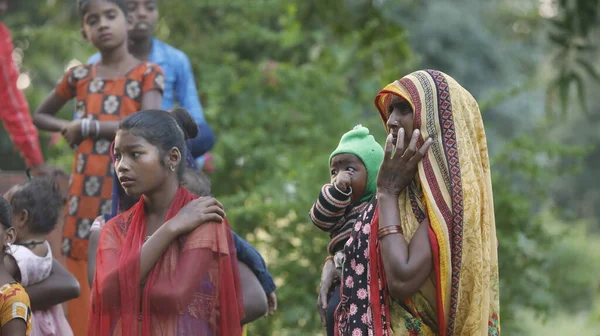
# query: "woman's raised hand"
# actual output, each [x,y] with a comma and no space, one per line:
[197,212]
[399,165]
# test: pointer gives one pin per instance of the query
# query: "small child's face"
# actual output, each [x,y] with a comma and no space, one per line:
[346,167]
[105,25]
[144,18]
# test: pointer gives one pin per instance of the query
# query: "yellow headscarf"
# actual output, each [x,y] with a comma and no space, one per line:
[456,195]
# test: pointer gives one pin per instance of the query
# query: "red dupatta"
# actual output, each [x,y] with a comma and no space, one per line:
[194,289]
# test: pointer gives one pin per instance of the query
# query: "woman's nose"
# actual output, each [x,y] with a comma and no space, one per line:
[392,123]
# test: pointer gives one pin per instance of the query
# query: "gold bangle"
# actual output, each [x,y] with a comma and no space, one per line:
[388,230]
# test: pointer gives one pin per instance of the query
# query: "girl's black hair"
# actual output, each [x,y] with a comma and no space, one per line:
[84,5]
[5,213]
[164,130]
[42,199]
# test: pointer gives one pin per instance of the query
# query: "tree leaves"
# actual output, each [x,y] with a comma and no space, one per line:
[571,35]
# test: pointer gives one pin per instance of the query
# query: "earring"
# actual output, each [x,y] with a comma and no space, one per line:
[172,168]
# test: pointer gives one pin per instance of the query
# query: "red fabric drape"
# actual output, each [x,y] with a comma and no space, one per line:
[194,289]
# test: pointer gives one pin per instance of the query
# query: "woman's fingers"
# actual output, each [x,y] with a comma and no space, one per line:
[212,217]
[214,209]
[400,141]
[412,146]
[389,147]
[422,151]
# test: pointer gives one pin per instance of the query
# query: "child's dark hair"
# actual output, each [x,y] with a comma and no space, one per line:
[42,199]
[164,130]
[84,5]
[5,213]
[196,182]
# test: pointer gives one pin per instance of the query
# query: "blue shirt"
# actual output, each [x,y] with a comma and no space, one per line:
[180,86]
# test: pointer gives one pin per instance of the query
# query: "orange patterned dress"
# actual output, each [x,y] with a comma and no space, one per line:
[91,180]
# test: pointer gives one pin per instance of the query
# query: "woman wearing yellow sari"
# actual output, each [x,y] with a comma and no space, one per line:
[423,260]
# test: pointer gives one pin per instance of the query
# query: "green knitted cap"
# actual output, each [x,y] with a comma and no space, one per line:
[360,143]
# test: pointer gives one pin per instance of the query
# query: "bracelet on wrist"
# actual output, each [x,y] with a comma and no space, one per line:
[85,128]
[388,230]
[97,127]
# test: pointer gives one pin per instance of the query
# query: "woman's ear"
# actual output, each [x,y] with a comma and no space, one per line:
[174,158]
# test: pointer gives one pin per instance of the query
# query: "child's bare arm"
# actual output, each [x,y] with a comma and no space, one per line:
[93,246]
[151,100]
[59,287]
[253,296]
[44,117]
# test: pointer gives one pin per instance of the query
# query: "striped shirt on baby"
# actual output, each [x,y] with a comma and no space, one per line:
[333,213]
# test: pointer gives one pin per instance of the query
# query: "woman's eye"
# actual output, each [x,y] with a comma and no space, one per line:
[333,172]
[135,154]
[117,157]
[350,169]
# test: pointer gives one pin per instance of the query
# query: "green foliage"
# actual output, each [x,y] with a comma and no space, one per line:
[572,36]
[532,250]
[281,81]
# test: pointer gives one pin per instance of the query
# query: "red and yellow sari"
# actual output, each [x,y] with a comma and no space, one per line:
[453,190]
[194,289]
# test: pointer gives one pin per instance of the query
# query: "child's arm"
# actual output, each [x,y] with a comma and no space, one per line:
[255,300]
[248,255]
[59,287]
[44,117]
[151,100]
[153,85]
[92,248]
[329,207]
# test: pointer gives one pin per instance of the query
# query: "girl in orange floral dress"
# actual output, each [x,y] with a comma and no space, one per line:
[115,87]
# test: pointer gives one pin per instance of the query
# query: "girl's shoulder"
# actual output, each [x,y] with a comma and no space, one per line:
[14,292]
[79,72]
[145,68]
[15,304]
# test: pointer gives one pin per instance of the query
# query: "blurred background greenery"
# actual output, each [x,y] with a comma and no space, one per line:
[280,82]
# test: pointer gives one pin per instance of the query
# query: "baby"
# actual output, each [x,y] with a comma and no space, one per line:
[354,165]
[36,206]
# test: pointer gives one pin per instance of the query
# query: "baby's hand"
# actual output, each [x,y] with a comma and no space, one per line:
[343,181]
